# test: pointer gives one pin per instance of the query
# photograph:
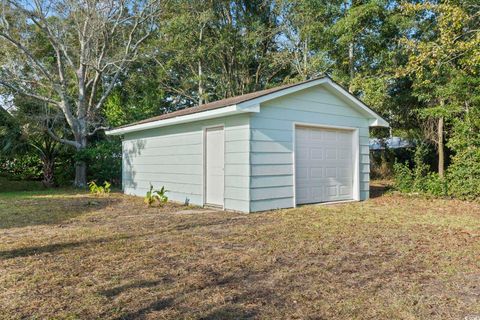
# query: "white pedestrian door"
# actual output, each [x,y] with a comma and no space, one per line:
[324,165]
[214,166]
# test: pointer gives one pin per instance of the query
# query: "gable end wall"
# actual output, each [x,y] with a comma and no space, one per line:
[271,145]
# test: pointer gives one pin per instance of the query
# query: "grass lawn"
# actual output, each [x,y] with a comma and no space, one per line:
[74,256]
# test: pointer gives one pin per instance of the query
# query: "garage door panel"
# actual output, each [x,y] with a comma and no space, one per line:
[345,190]
[344,173]
[316,173]
[329,135]
[316,153]
[323,165]
[330,172]
[301,174]
[332,190]
[316,193]
[344,136]
[330,153]
[316,135]
[302,153]
[344,154]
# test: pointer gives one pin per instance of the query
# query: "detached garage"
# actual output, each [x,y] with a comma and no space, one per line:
[276,148]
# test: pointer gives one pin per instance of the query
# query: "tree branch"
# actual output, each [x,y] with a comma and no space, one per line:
[98,129]
[64,141]
[19,46]
[23,91]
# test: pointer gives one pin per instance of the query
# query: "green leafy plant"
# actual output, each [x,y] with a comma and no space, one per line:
[155,195]
[99,190]
[403,177]
[419,179]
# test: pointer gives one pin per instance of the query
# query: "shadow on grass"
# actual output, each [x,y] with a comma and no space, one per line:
[110,293]
[52,248]
[248,283]
[157,305]
[33,210]
[229,312]
[376,191]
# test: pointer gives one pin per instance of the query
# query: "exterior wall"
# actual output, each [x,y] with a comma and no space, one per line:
[173,157]
[272,158]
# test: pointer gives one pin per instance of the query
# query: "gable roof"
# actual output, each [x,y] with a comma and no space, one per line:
[243,103]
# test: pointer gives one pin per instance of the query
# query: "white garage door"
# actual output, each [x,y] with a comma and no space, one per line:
[324,165]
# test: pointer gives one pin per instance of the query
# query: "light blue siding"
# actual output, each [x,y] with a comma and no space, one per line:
[173,157]
[272,134]
[259,155]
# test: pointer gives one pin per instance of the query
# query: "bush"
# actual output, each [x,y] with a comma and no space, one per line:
[419,179]
[403,177]
[464,171]
[22,167]
[464,174]
[435,186]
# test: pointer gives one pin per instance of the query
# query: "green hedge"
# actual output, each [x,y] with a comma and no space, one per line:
[462,179]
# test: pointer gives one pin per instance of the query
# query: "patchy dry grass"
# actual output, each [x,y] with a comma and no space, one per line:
[79,257]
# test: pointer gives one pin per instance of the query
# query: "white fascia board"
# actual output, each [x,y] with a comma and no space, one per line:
[376,120]
[203,115]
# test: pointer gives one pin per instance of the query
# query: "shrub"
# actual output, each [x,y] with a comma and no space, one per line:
[419,179]
[155,195]
[464,174]
[403,178]
[464,171]
[433,185]
[22,167]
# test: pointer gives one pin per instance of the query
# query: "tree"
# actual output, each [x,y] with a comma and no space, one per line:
[91,44]
[23,131]
[445,52]
[307,36]
[216,49]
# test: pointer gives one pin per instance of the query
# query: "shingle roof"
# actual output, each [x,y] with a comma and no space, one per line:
[219,103]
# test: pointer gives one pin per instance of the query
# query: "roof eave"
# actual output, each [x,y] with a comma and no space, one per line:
[204,115]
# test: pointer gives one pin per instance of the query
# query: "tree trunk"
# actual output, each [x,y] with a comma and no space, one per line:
[80,165]
[441,149]
[201,91]
[305,59]
[351,62]
[48,172]
[80,174]
[200,84]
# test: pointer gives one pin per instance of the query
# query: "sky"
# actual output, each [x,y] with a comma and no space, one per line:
[6,102]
